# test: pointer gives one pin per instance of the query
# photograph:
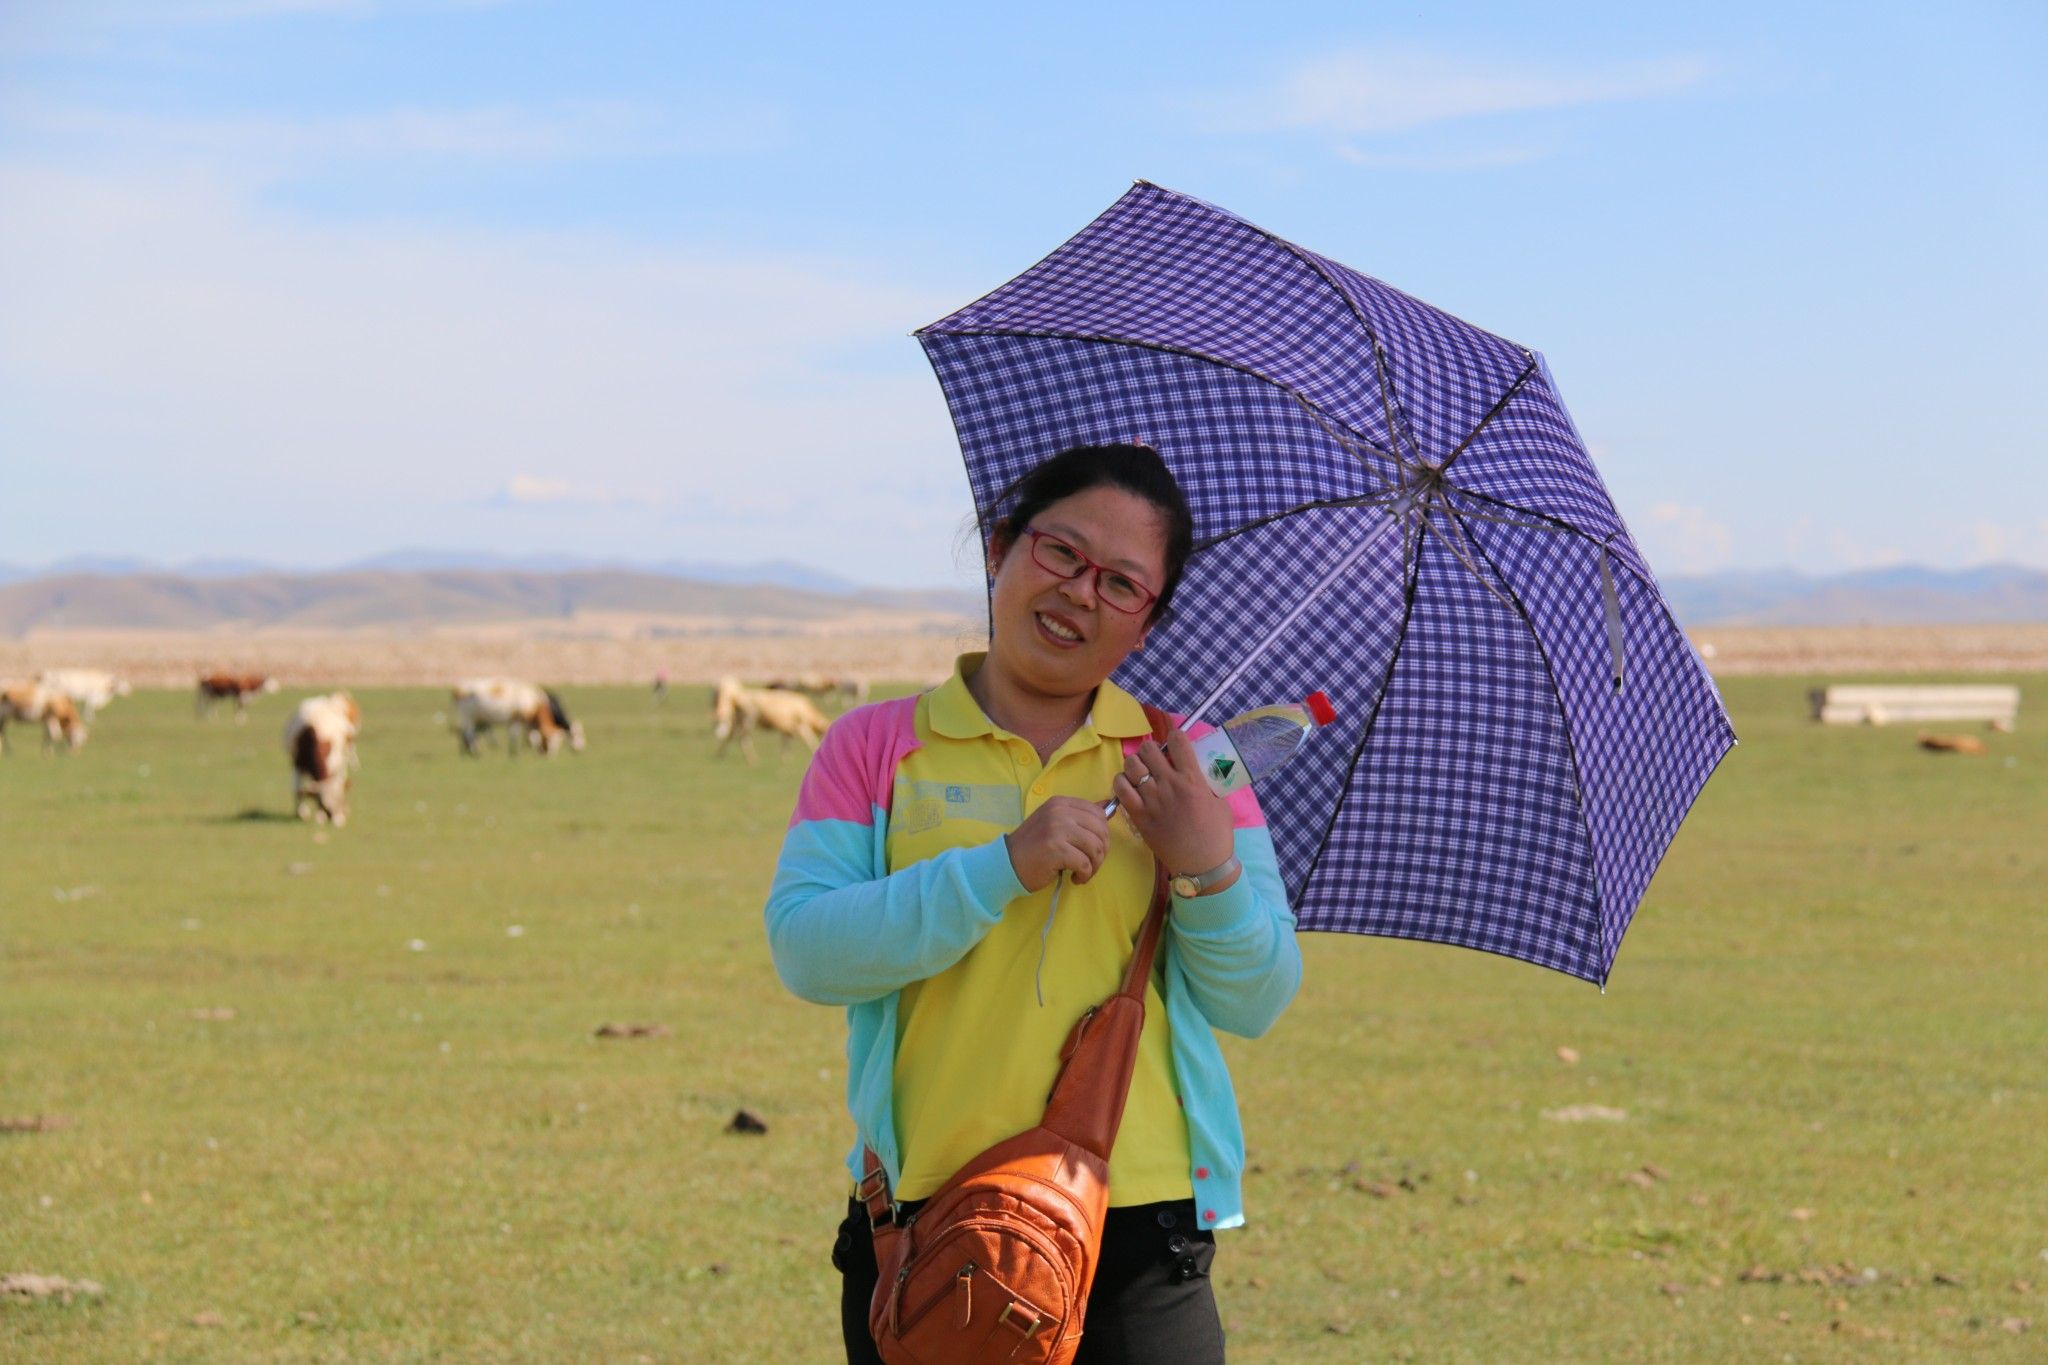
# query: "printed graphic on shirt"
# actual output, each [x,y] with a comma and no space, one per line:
[921,806]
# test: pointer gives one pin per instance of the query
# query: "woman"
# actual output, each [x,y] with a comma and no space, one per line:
[916,881]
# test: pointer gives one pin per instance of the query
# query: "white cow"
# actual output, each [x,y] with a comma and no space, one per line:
[528,714]
[90,689]
[44,706]
[738,710]
[321,738]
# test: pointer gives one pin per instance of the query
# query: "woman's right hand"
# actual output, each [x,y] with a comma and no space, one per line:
[1066,834]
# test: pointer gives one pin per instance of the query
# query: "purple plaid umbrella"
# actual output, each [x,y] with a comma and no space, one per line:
[1391,505]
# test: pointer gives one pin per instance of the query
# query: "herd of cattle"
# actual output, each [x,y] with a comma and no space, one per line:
[320,736]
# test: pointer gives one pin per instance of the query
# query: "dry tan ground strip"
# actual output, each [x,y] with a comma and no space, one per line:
[620,652]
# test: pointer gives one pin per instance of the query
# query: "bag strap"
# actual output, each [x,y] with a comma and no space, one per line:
[1148,936]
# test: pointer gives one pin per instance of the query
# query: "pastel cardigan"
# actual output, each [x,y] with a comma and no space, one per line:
[845,931]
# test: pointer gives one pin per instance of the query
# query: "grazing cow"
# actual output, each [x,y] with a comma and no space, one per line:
[88,688]
[823,687]
[321,738]
[738,711]
[530,715]
[236,687]
[45,706]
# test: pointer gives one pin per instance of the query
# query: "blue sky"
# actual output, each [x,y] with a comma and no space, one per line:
[304,280]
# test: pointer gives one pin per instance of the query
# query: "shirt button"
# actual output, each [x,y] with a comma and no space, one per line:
[1208,1215]
[1166,1218]
[1201,1172]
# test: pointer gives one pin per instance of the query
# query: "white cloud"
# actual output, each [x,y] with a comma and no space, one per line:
[1989,542]
[426,385]
[1392,89]
[1686,539]
[254,144]
[1477,159]
[528,490]
[1851,551]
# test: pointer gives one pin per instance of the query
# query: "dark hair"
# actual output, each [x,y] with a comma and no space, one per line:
[1136,469]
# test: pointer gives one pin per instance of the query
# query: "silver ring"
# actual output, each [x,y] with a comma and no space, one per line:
[1143,780]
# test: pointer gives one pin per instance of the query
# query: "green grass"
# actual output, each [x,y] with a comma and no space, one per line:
[1832,1001]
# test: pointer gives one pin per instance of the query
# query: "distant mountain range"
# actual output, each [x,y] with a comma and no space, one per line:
[415,588]
[423,598]
[777,572]
[1902,596]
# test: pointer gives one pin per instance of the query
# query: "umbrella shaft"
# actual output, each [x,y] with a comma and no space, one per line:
[1301,607]
[1336,571]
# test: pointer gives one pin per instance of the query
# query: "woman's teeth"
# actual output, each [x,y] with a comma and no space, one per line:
[1055,628]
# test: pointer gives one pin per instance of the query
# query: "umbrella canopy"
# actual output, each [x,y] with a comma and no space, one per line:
[1521,723]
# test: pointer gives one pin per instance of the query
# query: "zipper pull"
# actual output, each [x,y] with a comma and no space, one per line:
[896,1300]
[963,1285]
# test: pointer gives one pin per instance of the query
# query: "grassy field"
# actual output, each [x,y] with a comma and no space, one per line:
[1828,1032]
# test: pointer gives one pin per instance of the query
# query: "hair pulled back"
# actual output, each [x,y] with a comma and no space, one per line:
[1136,469]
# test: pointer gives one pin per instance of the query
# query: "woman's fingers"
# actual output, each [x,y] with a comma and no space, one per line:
[1130,795]
[1083,854]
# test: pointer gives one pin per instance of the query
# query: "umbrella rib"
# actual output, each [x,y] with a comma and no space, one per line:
[1465,554]
[1555,523]
[1340,438]
[1369,500]
[1413,571]
[1397,415]
[1571,748]
[1102,339]
[1494,411]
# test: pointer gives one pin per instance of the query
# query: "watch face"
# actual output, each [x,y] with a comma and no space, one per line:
[1185,887]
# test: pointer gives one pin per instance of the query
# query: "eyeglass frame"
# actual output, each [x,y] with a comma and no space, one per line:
[1037,535]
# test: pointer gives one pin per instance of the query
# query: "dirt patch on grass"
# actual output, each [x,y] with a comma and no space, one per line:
[27,1287]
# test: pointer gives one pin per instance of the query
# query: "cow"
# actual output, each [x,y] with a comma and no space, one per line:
[738,710]
[823,687]
[321,739]
[236,687]
[529,715]
[39,705]
[89,689]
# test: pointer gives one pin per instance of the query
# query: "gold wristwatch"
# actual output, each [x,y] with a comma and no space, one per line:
[1188,885]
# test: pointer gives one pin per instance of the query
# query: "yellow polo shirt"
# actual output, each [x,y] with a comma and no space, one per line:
[976,1054]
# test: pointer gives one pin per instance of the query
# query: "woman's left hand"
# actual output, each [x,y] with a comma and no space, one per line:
[1187,826]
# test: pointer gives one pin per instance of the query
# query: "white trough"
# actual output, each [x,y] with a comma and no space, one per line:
[1862,704]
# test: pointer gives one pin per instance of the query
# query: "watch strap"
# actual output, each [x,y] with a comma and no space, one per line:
[1202,881]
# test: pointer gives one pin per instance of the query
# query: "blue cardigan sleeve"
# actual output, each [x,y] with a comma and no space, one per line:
[1236,947]
[842,928]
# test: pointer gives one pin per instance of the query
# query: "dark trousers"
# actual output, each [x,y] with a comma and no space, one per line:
[1151,1301]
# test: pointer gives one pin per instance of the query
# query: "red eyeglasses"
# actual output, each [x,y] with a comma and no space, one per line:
[1118,591]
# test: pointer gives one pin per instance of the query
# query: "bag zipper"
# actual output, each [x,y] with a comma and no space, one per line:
[898,1324]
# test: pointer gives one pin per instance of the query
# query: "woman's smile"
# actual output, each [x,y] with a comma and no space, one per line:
[1061,630]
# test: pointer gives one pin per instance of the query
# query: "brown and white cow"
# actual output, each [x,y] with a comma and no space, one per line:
[321,739]
[36,704]
[738,710]
[235,687]
[529,715]
[90,689]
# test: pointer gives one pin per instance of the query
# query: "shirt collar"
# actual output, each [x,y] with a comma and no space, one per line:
[952,710]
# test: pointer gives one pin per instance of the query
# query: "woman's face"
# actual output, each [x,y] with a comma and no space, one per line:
[1056,636]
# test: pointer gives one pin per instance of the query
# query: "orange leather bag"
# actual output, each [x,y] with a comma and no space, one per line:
[997,1264]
